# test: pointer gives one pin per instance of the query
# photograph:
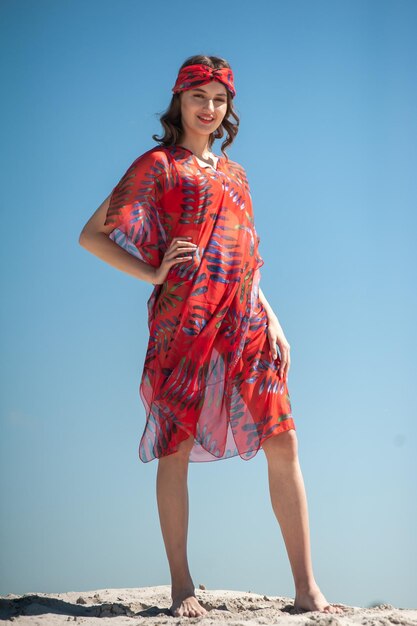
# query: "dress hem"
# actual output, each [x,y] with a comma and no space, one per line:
[288,424]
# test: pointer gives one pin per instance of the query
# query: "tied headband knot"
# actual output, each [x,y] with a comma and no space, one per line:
[199,74]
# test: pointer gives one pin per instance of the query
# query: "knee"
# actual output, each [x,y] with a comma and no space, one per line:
[183,450]
[186,446]
[284,444]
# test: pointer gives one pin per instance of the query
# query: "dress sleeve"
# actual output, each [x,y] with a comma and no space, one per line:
[256,239]
[134,208]
[259,259]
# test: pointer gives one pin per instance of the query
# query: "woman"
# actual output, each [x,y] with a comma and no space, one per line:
[213,385]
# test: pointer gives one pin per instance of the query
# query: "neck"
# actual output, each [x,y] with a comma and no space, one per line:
[198,145]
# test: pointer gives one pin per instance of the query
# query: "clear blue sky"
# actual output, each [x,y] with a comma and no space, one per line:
[327,99]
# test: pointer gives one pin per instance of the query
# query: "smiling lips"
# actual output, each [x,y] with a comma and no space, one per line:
[205,120]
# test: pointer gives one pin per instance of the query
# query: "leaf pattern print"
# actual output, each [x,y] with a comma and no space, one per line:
[208,370]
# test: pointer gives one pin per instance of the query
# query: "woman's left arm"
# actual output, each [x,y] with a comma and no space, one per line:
[276,336]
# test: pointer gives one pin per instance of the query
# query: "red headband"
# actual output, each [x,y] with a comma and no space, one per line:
[198,74]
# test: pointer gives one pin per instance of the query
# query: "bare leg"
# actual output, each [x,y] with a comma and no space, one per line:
[289,502]
[172,498]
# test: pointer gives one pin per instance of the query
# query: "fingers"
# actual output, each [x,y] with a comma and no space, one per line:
[184,242]
[284,365]
[178,247]
[283,371]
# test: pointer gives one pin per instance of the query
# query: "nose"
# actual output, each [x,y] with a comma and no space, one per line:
[210,106]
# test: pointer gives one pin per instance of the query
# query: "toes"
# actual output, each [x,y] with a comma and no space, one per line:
[329,608]
[188,611]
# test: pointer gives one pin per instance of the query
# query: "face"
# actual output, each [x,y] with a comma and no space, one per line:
[205,101]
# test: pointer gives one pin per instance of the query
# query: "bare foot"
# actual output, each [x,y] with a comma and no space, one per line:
[186,604]
[312,599]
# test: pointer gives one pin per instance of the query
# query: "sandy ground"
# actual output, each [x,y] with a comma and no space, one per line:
[150,605]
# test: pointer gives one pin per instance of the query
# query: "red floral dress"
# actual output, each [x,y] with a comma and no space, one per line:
[208,369]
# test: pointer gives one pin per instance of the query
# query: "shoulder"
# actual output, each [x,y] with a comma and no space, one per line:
[238,171]
[149,170]
[155,161]
[238,167]
[146,174]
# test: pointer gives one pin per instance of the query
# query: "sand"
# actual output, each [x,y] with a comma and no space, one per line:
[149,605]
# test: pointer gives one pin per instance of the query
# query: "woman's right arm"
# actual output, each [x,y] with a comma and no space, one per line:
[94,237]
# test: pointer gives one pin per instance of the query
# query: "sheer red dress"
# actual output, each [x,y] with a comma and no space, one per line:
[208,369]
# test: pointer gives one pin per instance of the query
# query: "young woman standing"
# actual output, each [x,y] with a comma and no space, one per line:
[213,383]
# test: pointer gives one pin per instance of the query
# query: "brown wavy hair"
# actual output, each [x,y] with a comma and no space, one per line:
[171,118]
